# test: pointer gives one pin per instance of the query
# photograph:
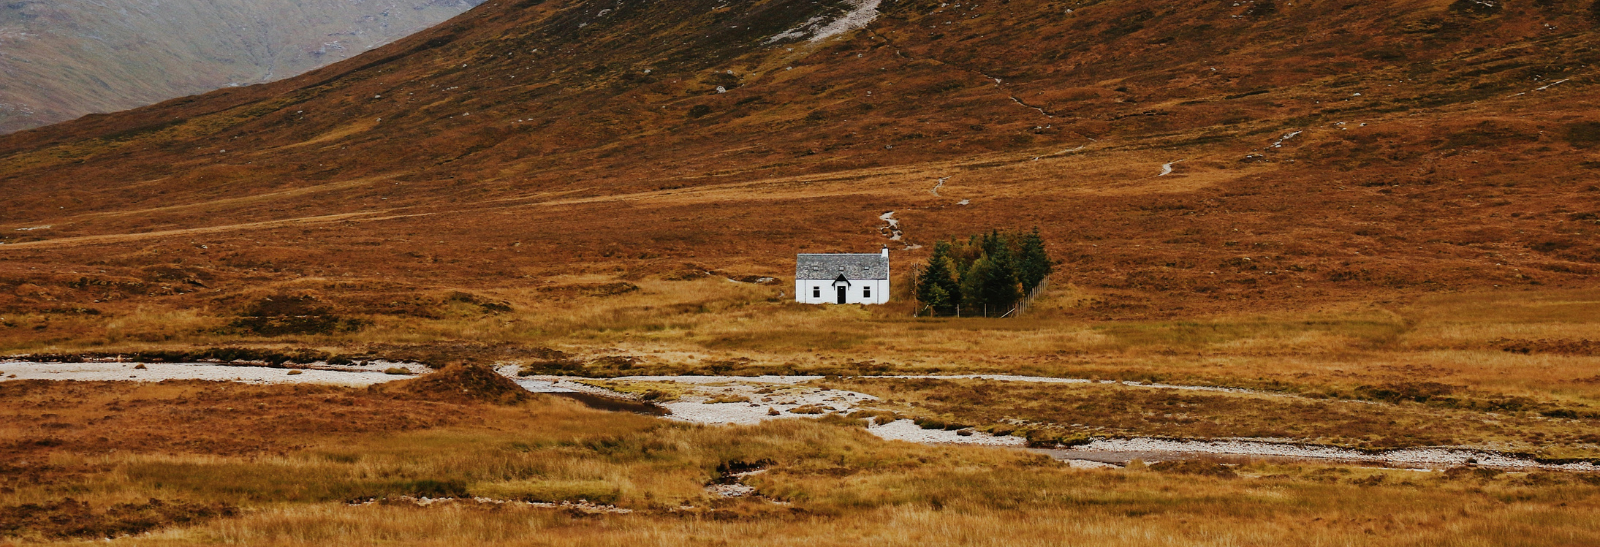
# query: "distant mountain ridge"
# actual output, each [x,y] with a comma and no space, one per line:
[60,59]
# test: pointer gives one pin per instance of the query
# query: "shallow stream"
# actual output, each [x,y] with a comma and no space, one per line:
[748,400]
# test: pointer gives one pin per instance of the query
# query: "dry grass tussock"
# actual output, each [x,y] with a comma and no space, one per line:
[830,484]
[1270,518]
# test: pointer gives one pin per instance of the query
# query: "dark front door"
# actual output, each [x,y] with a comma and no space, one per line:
[841,290]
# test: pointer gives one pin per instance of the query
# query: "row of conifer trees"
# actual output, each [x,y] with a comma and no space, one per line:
[985,275]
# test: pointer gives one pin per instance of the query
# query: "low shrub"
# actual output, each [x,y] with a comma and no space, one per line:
[1195,467]
[1051,438]
[69,518]
[1583,134]
[428,488]
[877,417]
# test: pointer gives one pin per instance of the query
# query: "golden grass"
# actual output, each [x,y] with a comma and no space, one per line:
[676,325]
[1082,410]
[1292,519]
[831,484]
[1448,346]
[600,209]
[652,391]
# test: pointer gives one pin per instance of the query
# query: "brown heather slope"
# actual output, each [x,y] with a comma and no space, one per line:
[567,147]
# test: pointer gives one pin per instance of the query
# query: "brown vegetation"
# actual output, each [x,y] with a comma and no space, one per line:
[1423,161]
[578,222]
[72,519]
[1083,410]
[1372,199]
[824,484]
[461,384]
[217,418]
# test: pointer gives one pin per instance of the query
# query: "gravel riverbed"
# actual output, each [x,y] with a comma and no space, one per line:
[249,374]
[748,400]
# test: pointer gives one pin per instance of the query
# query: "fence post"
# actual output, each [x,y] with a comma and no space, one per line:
[1027,301]
[914,296]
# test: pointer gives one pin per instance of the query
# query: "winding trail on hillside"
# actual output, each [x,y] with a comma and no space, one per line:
[366,216]
[1041,110]
[997,82]
[759,189]
[892,228]
[749,400]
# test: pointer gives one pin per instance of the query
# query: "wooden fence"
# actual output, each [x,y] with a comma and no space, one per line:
[1020,308]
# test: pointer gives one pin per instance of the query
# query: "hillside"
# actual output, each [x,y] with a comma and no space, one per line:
[1324,270]
[1324,152]
[66,58]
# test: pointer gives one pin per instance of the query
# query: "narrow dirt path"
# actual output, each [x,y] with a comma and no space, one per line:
[998,83]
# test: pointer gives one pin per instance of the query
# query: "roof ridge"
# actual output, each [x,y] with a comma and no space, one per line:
[828,266]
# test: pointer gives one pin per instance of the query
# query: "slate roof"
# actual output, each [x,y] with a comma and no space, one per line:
[827,267]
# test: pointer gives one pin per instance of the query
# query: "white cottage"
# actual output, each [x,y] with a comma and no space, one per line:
[842,278]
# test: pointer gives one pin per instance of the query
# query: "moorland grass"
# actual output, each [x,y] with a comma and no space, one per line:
[1439,361]
[674,327]
[830,484]
[1114,410]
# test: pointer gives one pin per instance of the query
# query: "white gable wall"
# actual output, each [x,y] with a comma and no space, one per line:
[818,291]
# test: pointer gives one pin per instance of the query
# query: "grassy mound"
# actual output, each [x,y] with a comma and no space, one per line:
[463,384]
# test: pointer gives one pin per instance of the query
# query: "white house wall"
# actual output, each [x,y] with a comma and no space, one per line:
[805,289]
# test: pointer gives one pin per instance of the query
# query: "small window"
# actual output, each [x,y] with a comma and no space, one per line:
[866,292]
[816,292]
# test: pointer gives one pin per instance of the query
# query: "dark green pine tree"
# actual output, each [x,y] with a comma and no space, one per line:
[939,302]
[1000,288]
[973,280]
[1034,264]
[991,242]
[937,287]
